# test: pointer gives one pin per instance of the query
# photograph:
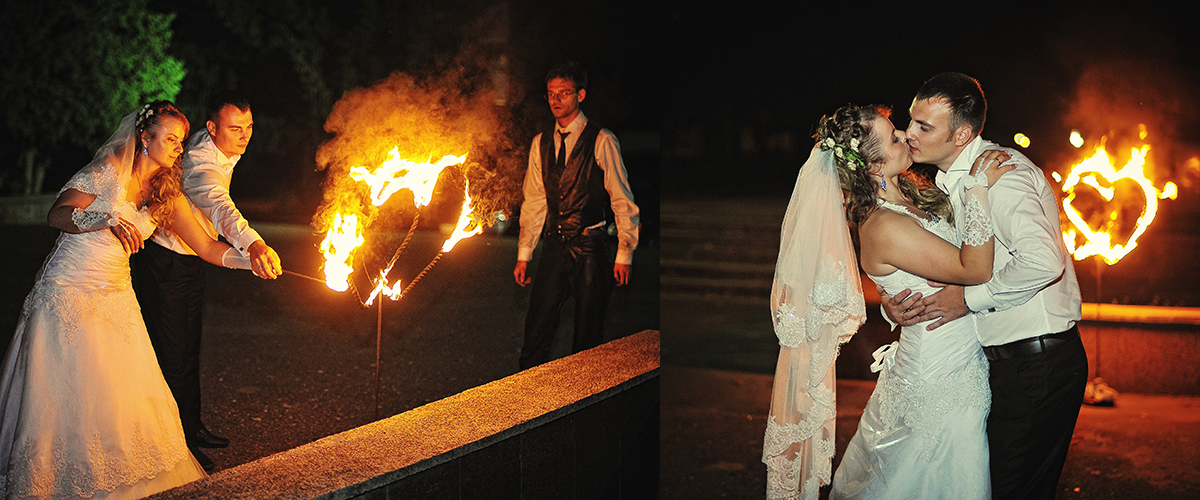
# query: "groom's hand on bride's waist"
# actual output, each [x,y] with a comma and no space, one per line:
[945,306]
[902,309]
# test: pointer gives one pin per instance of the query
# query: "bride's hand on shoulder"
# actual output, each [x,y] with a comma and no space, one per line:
[991,162]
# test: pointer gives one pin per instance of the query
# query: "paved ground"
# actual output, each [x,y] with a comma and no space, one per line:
[715,402]
[289,361]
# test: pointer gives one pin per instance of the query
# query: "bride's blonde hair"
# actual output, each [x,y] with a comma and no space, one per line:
[166,182]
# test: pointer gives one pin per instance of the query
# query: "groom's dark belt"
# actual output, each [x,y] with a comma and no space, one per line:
[1035,345]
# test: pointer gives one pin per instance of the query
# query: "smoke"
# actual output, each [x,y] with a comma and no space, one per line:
[1133,76]
[448,114]
[1116,98]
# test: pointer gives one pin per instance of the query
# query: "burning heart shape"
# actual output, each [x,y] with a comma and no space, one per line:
[1099,242]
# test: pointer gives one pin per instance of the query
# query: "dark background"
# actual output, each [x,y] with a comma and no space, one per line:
[748,83]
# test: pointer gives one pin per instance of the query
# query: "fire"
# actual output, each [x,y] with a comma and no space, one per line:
[339,243]
[397,173]
[382,287]
[466,220]
[1099,173]
[393,175]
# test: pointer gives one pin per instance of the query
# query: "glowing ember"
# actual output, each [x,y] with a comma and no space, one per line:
[1076,139]
[1099,173]
[465,221]
[340,241]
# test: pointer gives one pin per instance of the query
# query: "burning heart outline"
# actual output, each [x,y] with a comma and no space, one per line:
[1099,164]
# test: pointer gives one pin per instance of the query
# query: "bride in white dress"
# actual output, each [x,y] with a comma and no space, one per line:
[84,409]
[922,432]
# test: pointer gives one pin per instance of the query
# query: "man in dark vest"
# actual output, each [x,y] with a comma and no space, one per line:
[575,176]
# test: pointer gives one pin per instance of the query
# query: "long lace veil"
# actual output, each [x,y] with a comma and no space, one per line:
[817,304]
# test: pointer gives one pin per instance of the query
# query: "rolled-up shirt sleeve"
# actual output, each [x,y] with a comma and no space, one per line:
[616,181]
[1028,234]
[206,186]
[533,208]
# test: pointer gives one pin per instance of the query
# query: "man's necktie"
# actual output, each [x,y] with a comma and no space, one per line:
[562,148]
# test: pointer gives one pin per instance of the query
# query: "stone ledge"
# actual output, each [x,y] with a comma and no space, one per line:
[26,210]
[382,453]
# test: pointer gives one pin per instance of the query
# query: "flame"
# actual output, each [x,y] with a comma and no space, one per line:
[393,175]
[340,241]
[397,173]
[1090,172]
[383,288]
[466,220]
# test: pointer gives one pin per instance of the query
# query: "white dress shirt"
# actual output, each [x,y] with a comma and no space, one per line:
[616,182]
[1033,290]
[206,175]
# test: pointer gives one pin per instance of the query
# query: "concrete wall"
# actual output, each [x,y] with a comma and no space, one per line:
[1135,349]
[581,427]
[1143,349]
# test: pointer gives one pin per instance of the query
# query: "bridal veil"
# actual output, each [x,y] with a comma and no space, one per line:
[817,305]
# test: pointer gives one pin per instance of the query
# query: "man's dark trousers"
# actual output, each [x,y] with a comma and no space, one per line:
[581,267]
[170,290]
[1035,404]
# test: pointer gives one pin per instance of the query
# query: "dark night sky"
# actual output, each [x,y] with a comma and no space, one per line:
[774,67]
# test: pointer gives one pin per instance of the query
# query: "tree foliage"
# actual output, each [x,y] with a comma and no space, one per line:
[74,68]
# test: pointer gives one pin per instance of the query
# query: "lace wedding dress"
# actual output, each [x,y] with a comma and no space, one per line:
[86,412]
[922,433]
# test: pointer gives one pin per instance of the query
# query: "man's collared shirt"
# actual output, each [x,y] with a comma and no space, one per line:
[206,176]
[1033,290]
[616,181]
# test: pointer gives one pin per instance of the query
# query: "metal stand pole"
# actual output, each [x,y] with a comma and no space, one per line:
[1099,302]
[378,345]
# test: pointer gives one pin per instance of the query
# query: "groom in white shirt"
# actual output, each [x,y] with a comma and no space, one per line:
[1027,314]
[169,277]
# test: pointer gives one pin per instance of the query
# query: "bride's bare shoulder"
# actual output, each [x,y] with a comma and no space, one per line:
[883,222]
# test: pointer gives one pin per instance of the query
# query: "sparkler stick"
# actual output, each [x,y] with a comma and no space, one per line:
[305,276]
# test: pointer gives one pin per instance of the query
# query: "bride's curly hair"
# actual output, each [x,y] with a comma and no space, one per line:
[850,130]
[166,182]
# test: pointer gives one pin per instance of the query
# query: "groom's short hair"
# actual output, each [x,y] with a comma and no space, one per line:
[963,94]
[219,100]
[570,71]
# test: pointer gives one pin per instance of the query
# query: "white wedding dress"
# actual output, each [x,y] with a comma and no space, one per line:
[86,412]
[922,434]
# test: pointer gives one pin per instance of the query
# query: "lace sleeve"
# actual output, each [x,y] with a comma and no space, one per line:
[100,180]
[977,224]
[87,220]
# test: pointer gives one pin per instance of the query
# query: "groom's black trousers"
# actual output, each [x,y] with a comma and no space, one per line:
[1035,403]
[581,267]
[170,290]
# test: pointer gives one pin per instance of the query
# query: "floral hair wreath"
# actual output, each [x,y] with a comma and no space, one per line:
[847,156]
[144,115]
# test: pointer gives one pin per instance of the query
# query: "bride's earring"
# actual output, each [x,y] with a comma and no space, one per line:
[145,153]
[883,184]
